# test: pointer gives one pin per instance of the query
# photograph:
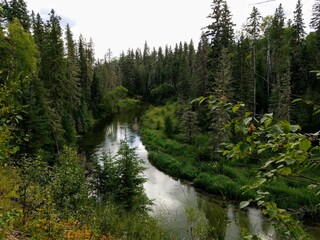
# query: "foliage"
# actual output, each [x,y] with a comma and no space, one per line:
[168,126]
[282,151]
[120,179]
[68,184]
[51,89]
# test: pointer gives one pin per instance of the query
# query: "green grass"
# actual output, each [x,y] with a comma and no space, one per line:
[195,164]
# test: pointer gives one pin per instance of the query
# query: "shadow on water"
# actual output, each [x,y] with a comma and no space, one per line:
[170,196]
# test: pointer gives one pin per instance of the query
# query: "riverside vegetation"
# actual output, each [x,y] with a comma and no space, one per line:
[52,90]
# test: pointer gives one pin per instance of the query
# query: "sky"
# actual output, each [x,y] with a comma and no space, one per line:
[120,25]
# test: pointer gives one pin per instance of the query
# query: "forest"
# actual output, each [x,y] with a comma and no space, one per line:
[236,114]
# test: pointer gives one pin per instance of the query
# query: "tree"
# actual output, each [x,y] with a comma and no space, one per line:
[23,53]
[315,24]
[54,77]
[298,23]
[106,178]
[298,54]
[253,28]
[201,67]
[242,71]
[220,31]
[315,20]
[168,126]
[73,86]
[280,100]
[85,59]
[280,62]
[17,9]
[222,91]
[223,88]
[69,185]
[129,169]
[189,124]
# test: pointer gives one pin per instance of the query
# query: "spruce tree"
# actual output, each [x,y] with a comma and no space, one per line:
[201,67]
[189,124]
[242,71]
[298,24]
[315,20]
[253,28]
[17,9]
[297,56]
[224,92]
[85,59]
[280,63]
[315,24]
[72,102]
[220,33]
[53,69]
[130,192]
[280,100]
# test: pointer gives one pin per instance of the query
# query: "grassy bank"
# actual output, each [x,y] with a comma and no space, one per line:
[193,162]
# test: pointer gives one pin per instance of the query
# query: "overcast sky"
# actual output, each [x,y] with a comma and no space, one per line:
[122,24]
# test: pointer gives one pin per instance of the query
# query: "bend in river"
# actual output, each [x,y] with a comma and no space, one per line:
[171,197]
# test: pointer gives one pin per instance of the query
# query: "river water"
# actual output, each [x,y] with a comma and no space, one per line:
[172,198]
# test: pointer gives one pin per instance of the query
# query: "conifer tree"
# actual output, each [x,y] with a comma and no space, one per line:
[201,65]
[315,20]
[130,192]
[72,71]
[222,91]
[86,77]
[253,28]
[189,124]
[280,100]
[242,71]
[53,69]
[298,24]
[315,24]
[277,43]
[297,56]
[280,63]
[17,9]
[219,32]
[72,102]
[192,70]
[223,84]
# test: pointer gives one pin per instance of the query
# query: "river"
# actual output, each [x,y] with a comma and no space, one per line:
[173,198]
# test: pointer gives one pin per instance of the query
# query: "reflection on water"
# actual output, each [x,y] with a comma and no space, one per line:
[170,196]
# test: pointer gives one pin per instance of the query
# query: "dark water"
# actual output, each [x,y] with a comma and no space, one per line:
[173,199]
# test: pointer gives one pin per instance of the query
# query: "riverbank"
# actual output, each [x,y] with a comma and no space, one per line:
[193,162]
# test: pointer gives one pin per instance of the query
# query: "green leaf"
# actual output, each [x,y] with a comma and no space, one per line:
[244,204]
[235,108]
[316,112]
[294,128]
[286,171]
[248,114]
[244,147]
[297,100]
[267,119]
[268,163]
[305,145]
[15,149]
[261,181]
[247,120]
[290,161]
